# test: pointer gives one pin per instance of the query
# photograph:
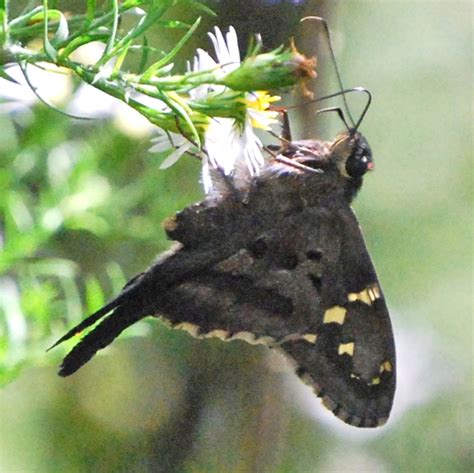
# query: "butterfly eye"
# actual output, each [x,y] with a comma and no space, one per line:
[356,165]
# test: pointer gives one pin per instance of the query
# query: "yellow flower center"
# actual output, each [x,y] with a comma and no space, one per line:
[258,104]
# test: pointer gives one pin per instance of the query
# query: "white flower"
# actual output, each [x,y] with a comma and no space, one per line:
[230,146]
[226,146]
[233,147]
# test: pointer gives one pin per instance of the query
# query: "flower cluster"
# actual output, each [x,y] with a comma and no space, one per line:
[213,110]
[229,141]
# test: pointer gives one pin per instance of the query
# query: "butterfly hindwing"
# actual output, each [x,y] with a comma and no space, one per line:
[261,289]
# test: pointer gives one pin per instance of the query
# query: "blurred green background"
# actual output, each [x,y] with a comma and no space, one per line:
[80,212]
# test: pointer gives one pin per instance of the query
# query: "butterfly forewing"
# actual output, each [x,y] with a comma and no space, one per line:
[351,363]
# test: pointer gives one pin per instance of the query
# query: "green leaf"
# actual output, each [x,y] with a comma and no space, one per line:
[91,9]
[151,71]
[181,111]
[113,34]
[24,20]
[48,47]
[3,23]
[81,40]
[63,30]
[200,6]
[121,58]
[150,19]
[55,15]
[4,74]
[144,56]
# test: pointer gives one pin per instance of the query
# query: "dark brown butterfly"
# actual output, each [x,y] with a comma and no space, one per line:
[282,263]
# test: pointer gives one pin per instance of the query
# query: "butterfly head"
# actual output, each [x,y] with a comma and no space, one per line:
[352,155]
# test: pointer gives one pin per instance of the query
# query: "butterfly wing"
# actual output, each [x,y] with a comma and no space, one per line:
[185,284]
[287,267]
[306,285]
[351,363]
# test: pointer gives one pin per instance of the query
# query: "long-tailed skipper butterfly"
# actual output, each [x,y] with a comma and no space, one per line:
[281,262]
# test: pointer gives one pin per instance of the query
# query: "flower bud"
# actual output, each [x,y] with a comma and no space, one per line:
[273,70]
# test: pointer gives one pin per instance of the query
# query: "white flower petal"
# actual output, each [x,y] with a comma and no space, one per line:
[233,45]
[160,147]
[165,142]
[263,118]
[175,155]
[219,46]
[204,60]
[234,151]
[230,147]
[221,145]
[206,176]
[226,60]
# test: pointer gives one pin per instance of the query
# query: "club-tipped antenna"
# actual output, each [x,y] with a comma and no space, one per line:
[333,57]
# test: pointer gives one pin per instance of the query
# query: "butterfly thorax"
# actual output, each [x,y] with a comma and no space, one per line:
[338,166]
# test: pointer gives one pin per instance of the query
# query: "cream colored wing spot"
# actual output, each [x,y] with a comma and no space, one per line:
[375,381]
[221,334]
[310,337]
[368,295]
[192,329]
[248,337]
[362,296]
[346,348]
[265,340]
[224,335]
[294,337]
[251,338]
[374,292]
[335,314]
[385,366]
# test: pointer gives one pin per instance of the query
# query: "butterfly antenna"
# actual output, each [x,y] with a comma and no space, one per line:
[366,108]
[333,58]
[343,93]
[339,112]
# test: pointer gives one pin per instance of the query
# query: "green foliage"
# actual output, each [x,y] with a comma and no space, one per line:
[62,37]
[62,191]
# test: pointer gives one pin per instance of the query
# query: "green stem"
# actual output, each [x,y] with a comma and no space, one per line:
[4,35]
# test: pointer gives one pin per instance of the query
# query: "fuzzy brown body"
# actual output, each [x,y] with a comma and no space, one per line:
[284,264]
